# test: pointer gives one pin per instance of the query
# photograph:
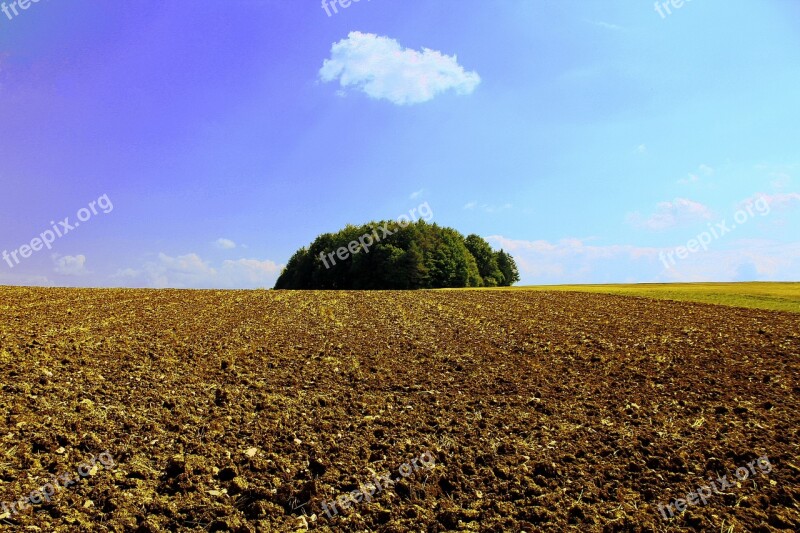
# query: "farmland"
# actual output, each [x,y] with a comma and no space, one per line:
[543,410]
[777,296]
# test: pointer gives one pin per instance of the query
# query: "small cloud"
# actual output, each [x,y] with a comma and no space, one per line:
[381,68]
[224,244]
[70,265]
[778,201]
[671,214]
[781,180]
[606,25]
[641,149]
[488,208]
[126,273]
[416,194]
[181,271]
[705,170]
[249,273]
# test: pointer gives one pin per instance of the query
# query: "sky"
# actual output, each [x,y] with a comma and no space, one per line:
[198,144]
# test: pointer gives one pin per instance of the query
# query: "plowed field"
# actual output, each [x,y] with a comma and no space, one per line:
[247,411]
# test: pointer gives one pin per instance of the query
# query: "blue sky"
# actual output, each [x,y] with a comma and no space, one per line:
[589,139]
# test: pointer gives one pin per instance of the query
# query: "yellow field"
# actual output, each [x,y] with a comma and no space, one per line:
[755,295]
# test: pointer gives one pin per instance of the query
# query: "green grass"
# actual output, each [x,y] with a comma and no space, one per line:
[756,295]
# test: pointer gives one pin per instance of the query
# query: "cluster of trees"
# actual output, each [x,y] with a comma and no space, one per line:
[415,256]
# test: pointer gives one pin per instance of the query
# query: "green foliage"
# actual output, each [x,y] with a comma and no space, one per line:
[486,260]
[508,268]
[417,256]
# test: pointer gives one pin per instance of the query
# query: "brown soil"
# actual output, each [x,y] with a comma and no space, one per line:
[244,411]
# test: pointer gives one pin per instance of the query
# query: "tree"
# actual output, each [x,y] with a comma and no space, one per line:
[412,269]
[486,260]
[508,267]
[298,272]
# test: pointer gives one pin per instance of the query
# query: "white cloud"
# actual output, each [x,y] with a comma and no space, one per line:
[191,271]
[671,214]
[26,280]
[416,194]
[382,69]
[575,261]
[780,175]
[493,208]
[767,203]
[249,273]
[781,181]
[747,260]
[183,271]
[695,177]
[70,265]
[224,244]
[606,25]
[487,208]
[641,149]
[570,260]
[787,200]
[126,273]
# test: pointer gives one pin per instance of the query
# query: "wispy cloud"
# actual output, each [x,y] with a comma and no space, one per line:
[488,208]
[224,244]
[191,270]
[70,265]
[746,260]
[416,194]
[779,175]
[705,169]
[567,260]
[671,214]
[781,180]
[574,260]
[606,25]
[14,278]
[694,177]
[383,69]
[777,201]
